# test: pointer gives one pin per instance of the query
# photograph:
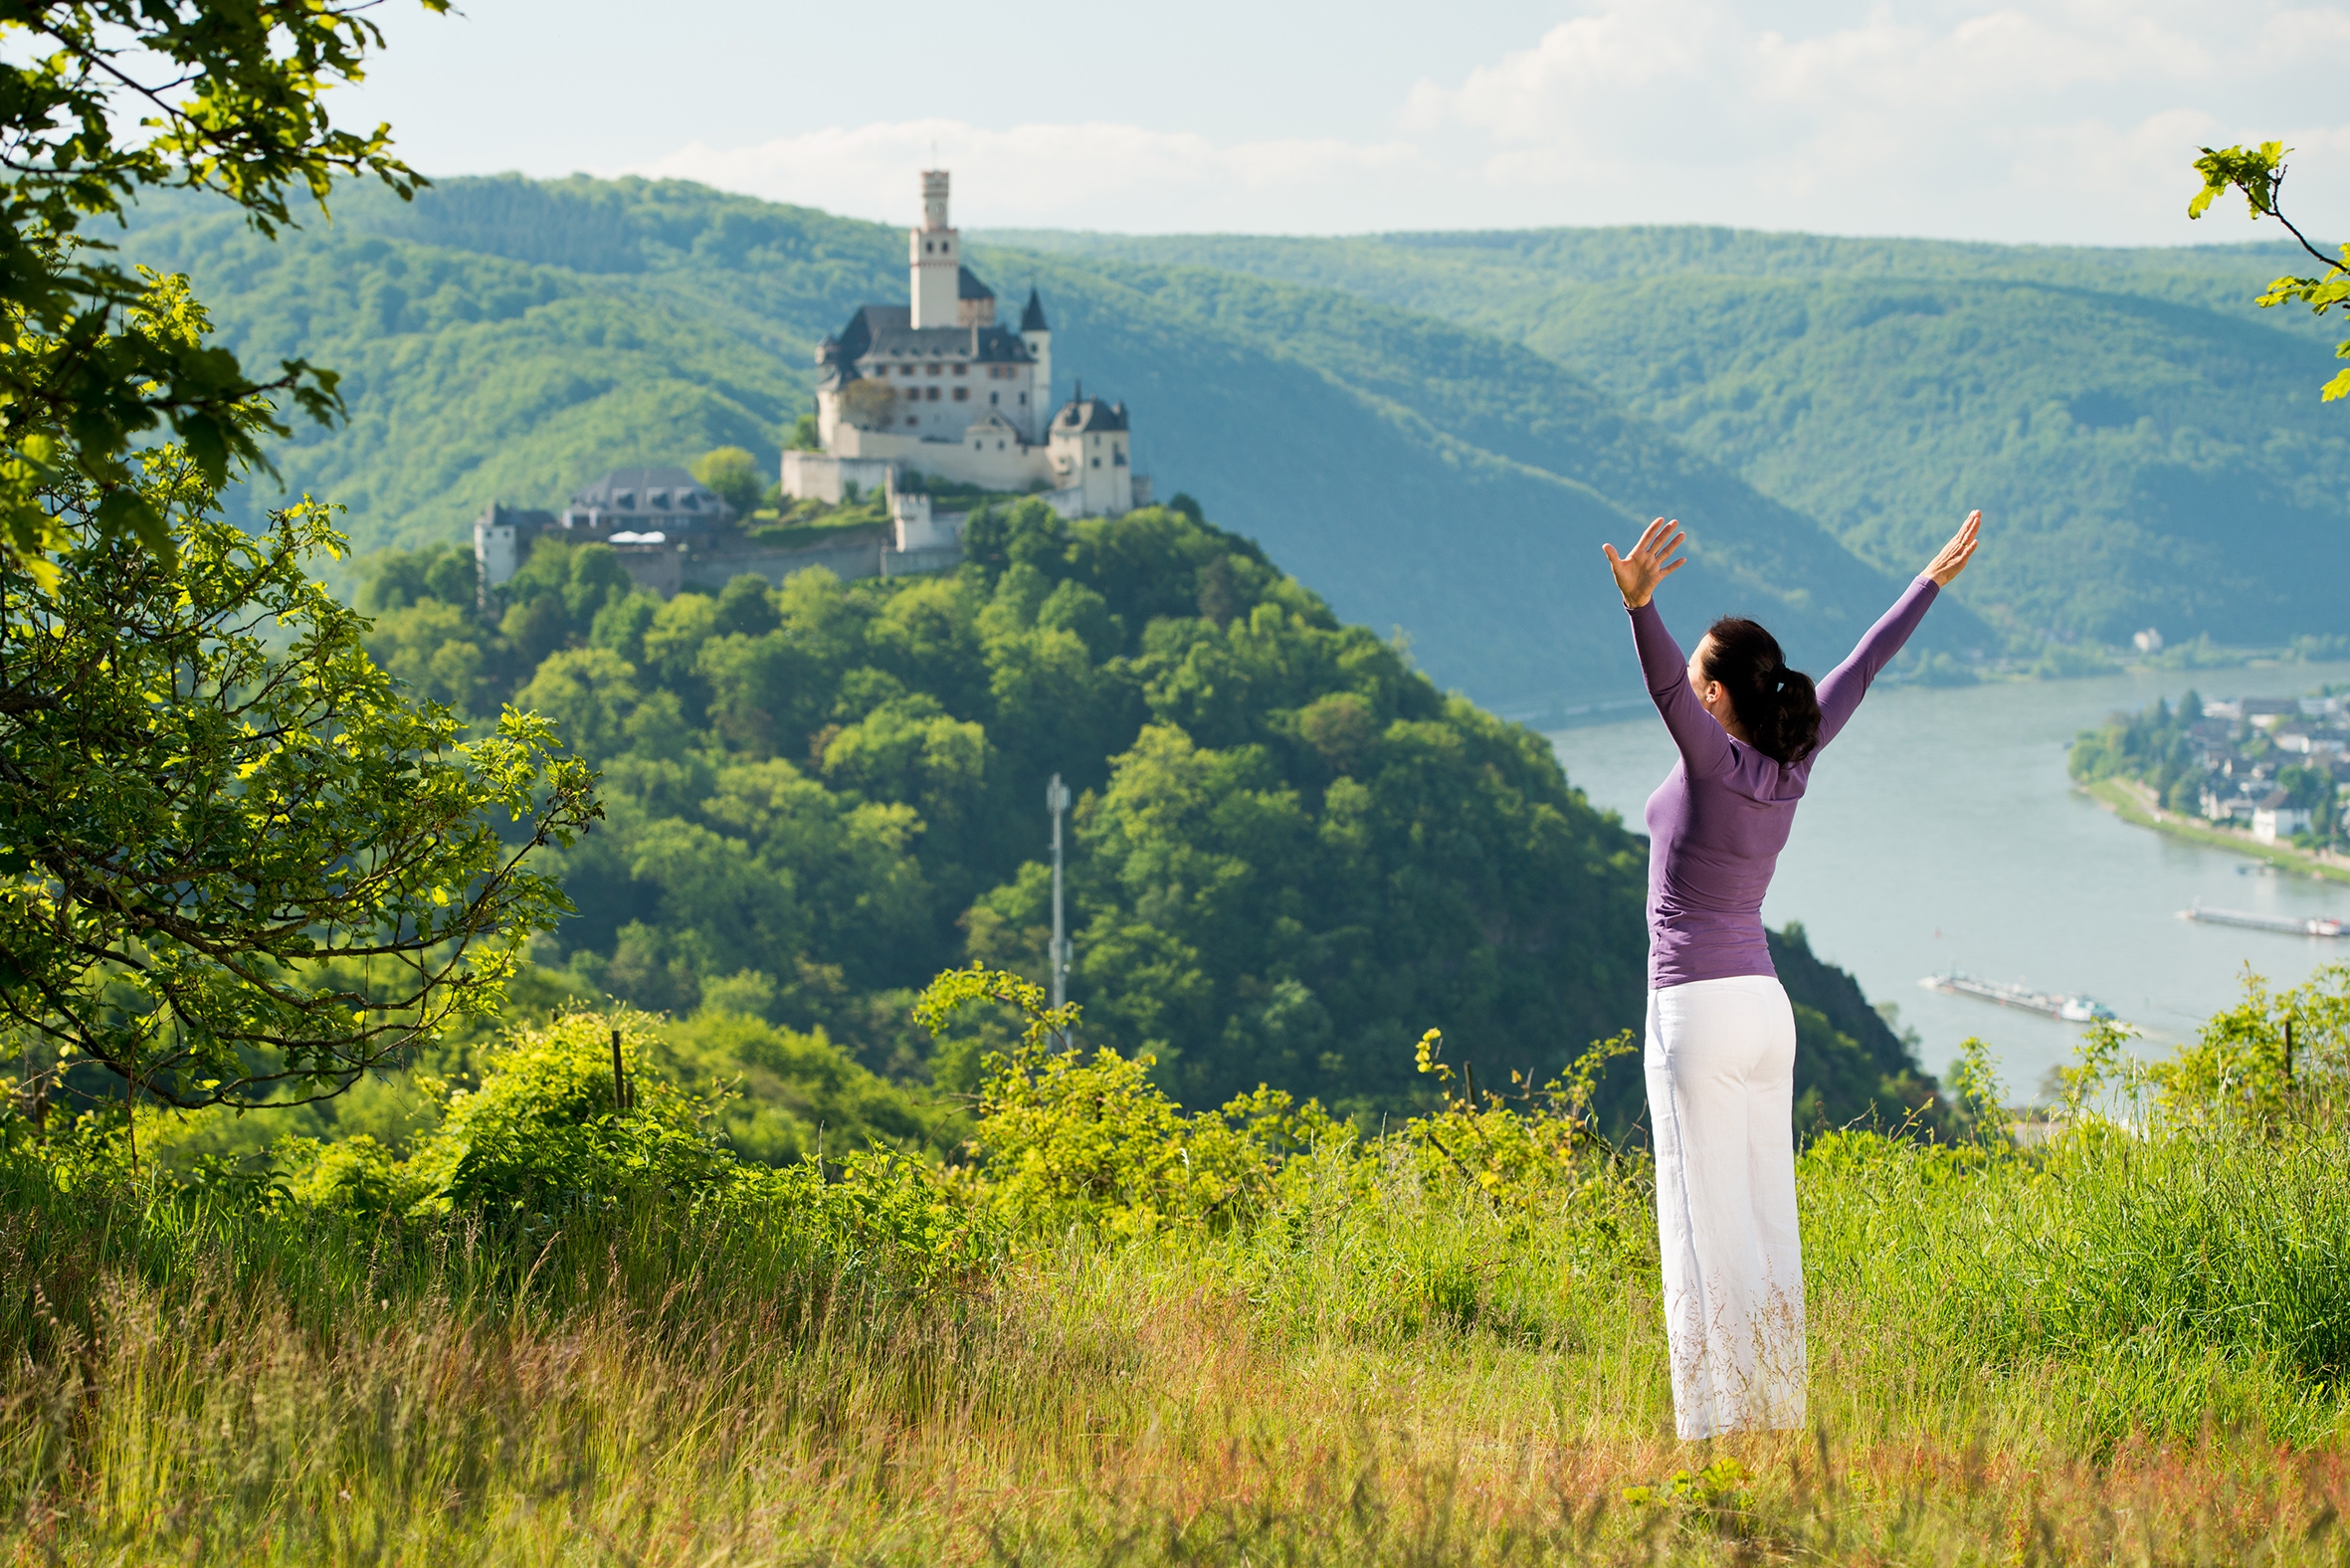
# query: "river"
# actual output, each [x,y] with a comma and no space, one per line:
[1941,830]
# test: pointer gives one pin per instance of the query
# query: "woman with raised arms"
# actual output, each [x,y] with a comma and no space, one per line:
[1720,1051]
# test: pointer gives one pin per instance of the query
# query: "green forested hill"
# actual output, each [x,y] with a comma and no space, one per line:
[2154,440]
[509,339]
[1291,855]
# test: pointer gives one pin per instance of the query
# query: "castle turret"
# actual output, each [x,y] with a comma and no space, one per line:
[935,253]
[1038,339]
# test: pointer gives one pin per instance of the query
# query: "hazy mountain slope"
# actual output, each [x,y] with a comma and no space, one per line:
[1512,470]
[484,372]
[509,339]
[2170,465]
[2157,439]
[1495,273]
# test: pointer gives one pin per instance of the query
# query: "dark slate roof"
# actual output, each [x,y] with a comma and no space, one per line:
[1032,319]
[857,336]
[1084,415]
[968,285]
[635,489]
[889,329]
[989,344]
[524,517]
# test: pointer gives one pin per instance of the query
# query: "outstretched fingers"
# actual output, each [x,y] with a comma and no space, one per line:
[1962,544]
[1649,562]
[1953,557]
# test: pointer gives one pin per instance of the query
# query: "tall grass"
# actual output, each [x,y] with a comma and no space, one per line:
[2128,1345]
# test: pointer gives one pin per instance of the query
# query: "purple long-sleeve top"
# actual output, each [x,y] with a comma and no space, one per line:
[1717,823]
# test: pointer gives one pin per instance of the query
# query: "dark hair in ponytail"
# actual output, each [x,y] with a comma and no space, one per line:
[1776,705]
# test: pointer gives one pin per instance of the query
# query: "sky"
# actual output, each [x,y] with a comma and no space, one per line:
[2072,121]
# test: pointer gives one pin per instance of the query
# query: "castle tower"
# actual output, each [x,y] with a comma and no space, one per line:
[935,253]
[1038,339]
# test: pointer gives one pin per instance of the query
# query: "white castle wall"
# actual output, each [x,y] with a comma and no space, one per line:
[827,477]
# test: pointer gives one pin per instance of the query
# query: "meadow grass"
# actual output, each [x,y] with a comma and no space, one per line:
[2124,1346]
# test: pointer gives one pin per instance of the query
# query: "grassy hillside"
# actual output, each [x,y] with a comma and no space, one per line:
[2129,413]
[561,1331]
[509,339]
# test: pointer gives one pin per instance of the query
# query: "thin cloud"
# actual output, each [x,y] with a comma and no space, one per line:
[1042,173]
[2071,121]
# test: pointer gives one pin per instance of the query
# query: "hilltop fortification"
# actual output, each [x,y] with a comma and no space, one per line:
[937,386]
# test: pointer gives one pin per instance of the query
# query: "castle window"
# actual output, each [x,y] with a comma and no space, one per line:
[1024,397]
[937,369]
[1097,462]
[909,419]
[963,370]
[933,394]
[962,394]
[992,398]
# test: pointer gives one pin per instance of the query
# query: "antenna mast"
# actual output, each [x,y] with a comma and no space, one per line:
[1057,802]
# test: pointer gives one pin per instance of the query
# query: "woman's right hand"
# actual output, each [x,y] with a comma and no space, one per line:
[1637,574]
[1954,556]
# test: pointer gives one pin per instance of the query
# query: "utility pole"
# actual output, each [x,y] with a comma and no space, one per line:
[1057,802]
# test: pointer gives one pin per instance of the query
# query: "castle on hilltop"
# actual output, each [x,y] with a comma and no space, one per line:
[935,388]
[938,389]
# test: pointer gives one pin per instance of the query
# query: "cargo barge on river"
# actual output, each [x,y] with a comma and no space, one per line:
[2315,926]
[2071,1009]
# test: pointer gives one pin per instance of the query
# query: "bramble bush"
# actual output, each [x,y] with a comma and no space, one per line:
[1064,1140]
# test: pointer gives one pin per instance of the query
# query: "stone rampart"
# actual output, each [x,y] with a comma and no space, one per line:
[863,552]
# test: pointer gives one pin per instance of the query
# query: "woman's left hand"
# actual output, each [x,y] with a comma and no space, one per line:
[1956,554]
[1649,563]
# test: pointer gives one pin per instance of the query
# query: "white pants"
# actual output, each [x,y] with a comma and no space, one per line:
[1720,1064]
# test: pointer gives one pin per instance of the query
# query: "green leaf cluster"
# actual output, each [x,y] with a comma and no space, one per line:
[552,1125]
[2259,174]
[100,101]
[1068,1138]
[549,1133]
[237,864]
[2265,1061]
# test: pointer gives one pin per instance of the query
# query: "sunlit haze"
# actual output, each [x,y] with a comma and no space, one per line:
[2061,122]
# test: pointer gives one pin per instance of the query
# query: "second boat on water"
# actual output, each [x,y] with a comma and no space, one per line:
[2071,1009]
[2316,925]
